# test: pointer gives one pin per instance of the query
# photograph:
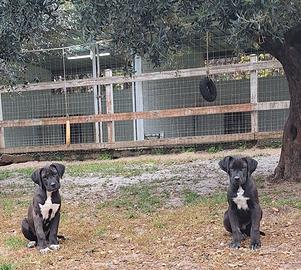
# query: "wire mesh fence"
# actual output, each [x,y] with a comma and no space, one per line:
[80,64]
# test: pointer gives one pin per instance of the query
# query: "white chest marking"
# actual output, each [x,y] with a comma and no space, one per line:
[47,206]
[241,200]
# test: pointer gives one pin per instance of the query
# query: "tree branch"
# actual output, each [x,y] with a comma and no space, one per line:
[272,46]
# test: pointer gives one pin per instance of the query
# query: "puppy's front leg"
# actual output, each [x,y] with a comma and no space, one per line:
[256,214]
[236,233]
[53,242]
[41,237]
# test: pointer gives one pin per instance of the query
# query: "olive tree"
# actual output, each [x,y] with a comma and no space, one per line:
[156,28]
[22,22]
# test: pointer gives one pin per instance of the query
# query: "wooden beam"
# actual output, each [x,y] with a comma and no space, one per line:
[158,114]
[254,94]
[152,76]
[110,107]
[147,143]
[179,112]
[2,140]
[272,105]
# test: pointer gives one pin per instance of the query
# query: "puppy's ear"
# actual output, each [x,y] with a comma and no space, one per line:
[60,168]
[252,164]
[36,177]
[224,163]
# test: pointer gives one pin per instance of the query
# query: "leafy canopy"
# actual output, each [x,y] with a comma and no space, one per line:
[155,28]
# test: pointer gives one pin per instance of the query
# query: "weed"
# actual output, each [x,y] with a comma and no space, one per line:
[270,202]
[14,242]
[190,196]
[105,156]
[26,172]
[8,207]
[136,198]
[215,199]
[5,174]
[242,145]
[100,231]
[159,224]
[214,149]
[108,168]
[6,266]
[158,151]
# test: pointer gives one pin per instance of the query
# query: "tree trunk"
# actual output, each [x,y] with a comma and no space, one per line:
[289,166]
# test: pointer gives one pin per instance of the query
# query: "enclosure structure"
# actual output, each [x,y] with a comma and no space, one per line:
[80,98]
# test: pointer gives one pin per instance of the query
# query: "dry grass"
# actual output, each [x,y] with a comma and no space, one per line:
[135,230]
[189,237]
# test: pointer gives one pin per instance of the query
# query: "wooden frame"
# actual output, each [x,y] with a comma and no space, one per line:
[110,117]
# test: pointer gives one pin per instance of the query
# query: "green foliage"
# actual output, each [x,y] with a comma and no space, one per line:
[107,168]
[5,174]
[26,25]
[14,242]
[156,29]
[136,198]
[105,156]
[190,196]
[6,266]
[214,149]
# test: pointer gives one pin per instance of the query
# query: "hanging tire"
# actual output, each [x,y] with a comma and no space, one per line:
[208,89]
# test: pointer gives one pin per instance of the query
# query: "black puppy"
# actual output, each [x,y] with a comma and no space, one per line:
[41,224]
[244,213]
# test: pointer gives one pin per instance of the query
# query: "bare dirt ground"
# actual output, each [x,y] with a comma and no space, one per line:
[152,212]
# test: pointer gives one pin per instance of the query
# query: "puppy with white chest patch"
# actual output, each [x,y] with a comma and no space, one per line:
[42,222]
[244,212]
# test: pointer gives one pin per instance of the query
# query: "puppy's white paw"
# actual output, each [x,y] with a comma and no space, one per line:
[54,247]
[45,250]
[31,244]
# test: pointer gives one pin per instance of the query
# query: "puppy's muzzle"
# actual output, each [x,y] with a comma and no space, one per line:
[53,186]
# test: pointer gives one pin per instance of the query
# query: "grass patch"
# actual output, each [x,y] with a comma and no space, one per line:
[5,174]
[214,199]
[105,156]
[108,169]
[14,242]
[271,202]
[6,266]
[100,231]
[24,172]
[7,206]
[214,149]
[136,198]
[190,196]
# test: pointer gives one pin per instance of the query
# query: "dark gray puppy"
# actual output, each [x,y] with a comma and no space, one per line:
[244,212]
[41,225]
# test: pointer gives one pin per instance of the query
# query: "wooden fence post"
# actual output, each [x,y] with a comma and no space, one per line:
[110,107]
[95,90]
[138,101]
[2,141]
[254,94]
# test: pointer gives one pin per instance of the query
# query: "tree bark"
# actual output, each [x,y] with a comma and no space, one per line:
[289,166]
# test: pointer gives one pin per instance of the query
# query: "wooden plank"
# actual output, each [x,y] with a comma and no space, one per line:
[253,94]
[138,101]
[147,143]
[95,92]
[2,141]
[179,112]
[181,73]
[129,115]
[272,105]
[110,107]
